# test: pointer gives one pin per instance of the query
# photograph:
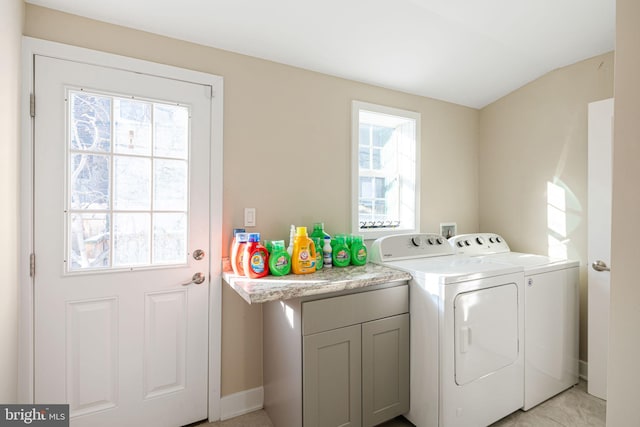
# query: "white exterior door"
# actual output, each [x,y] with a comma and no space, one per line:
[121,205]
[599,242]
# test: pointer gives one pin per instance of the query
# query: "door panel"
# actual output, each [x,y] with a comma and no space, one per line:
[121,202]
[92,350]
[486,331]
[600,139]
[332,378]
[385,369]
[165,342]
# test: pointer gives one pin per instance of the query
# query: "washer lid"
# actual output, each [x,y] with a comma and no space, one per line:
[454,269]
[533,263]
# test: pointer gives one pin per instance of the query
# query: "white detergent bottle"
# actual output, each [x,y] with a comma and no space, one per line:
[292,236]
[327,253]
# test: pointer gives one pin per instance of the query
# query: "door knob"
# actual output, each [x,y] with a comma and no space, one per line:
[197,278]
[600,266]
[198,254]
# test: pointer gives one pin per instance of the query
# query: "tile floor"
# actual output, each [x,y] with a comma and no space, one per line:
[572,408]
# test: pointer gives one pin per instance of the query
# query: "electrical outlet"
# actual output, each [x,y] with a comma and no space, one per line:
[249,217]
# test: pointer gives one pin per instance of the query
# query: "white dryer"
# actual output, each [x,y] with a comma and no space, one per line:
[551,314]
[466,332]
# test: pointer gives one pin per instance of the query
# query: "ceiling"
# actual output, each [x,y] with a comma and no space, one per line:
[469,52]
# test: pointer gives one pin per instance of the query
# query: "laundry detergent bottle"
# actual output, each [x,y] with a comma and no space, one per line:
[358,251]
[238,253]
[341,256]
[318,231]
[255,260]
[317,242]
[233,241]
[279,259]
[303,257]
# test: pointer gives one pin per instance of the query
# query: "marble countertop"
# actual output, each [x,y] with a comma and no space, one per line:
[272,288]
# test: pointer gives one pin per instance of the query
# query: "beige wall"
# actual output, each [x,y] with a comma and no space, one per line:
[624,351]
[287,152]
[11,23]
[535,135]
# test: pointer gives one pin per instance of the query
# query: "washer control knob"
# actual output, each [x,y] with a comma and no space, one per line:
[480,240]
[498,239]
[460,244]
[467,242]
[440,240]
[491,239]
[416,241]
[430,240]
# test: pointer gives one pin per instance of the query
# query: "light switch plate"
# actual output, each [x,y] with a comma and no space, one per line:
[249,217]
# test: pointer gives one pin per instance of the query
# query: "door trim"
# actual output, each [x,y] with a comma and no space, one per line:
[31,47]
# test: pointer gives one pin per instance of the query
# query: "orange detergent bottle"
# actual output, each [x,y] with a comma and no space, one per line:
[303,257]
[233,248]
[255,260]
[237,253]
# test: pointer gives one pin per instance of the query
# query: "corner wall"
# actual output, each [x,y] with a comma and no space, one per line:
[533,139]
[11,25]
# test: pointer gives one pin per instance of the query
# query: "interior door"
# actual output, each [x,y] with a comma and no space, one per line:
[121,205]
[600,139]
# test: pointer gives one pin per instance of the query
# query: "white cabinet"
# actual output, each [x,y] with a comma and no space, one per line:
[339,361]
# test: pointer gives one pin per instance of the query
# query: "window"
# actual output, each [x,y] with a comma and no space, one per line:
[385,178]
[128,187]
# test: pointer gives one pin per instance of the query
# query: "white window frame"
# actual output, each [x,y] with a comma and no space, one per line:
[356,107]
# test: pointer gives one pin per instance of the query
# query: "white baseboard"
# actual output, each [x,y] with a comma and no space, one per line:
[241,403]
[583,370]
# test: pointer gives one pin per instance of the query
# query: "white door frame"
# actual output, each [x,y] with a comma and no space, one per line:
[31,47]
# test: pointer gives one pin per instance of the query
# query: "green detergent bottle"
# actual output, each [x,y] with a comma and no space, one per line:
[358,251]
[318,241]
[318,231]
[279,261]
[341,256]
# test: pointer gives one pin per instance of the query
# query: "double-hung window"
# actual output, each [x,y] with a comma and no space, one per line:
[385,173]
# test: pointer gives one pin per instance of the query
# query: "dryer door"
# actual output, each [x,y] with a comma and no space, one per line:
[486,331]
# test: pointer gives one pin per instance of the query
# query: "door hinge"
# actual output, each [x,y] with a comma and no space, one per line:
[32,105]
[32,265]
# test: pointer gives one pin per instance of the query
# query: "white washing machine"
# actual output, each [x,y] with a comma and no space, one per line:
[466,332]
[551,314]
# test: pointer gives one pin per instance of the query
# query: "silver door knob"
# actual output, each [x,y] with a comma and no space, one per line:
[600,266]
[197,278]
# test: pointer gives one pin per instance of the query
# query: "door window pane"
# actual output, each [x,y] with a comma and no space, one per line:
[132,120]
[170,185]
[89,175]
[90,124]
[90,241]
[128,182]
[169,238]
[131,237]
[171,131]
[132,183]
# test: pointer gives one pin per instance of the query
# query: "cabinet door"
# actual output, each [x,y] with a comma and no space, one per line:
[332,378]
[385,369]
